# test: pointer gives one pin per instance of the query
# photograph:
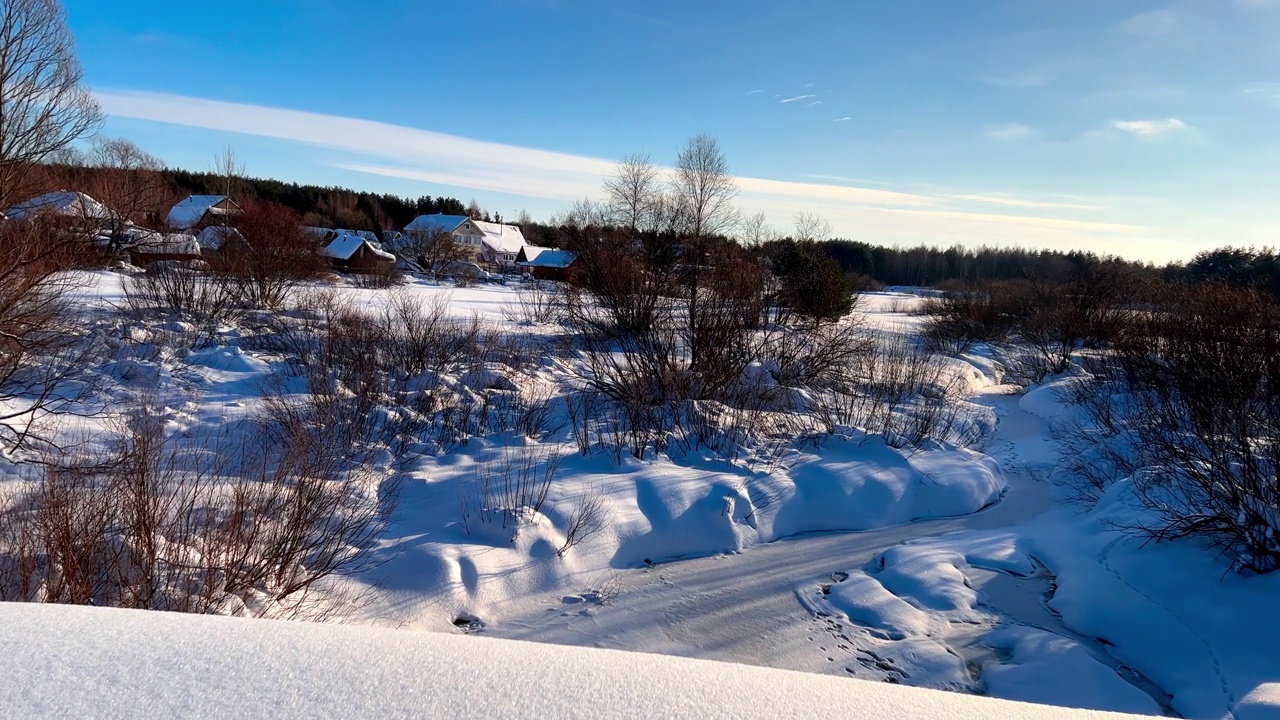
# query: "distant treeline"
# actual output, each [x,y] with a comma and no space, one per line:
[325,206]
[1257,268]
[932,266]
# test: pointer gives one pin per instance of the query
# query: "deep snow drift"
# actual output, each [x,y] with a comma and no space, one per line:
[60,661]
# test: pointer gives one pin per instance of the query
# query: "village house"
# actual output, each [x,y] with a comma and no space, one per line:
[66,206]
[221,240]
[461,228]
[200,211]
[353,253]
[147,246]
[545,263]
[501,243]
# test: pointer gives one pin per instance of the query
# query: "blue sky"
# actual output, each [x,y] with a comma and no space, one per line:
[1149,128]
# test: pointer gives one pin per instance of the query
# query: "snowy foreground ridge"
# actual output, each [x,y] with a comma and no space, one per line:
[64,661]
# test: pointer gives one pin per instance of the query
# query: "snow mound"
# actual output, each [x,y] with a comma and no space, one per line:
[228,359]
[852,486]
[1261,704]
[93,662]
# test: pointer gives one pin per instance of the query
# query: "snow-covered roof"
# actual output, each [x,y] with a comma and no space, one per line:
[347,244]
[154,243]
[547,257]
[215,236]
[63,203]
[74,661]
[319,232]
[187,214]
[500,237]
[326,234]
[435,223]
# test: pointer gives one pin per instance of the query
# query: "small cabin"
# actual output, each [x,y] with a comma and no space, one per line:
[545,263]
[200,211]
[350,252]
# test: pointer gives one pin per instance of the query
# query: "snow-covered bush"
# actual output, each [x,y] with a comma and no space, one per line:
[253,520]
[1190,405]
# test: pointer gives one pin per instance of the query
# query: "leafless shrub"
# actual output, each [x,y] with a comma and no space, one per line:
[44,351]
[903,306]
[275,258]
[379,278]
[512,486]
[984,313]
[536,413]
[900,390]
[585,519]
[168,288]
[582,409]
[253,523]
[1202,406]
[1100,446]
[538,304]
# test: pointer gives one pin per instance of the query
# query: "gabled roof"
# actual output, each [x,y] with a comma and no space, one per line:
[534,256]
[214,237]
[154,243]
[187,214]
[62,203]
[345,246]
[501,238]
[436,223]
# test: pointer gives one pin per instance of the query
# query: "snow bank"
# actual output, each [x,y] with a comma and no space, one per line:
[93,662]
[1206,638]
[857,486]
[1050,669]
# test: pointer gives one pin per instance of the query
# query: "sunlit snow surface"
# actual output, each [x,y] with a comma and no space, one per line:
[60,661]
[944,568]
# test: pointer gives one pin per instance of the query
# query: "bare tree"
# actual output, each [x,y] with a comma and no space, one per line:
[433,249]
[229,169]
[811,227]
[755,230]
[583,214]
[279,255]
[703,187]
[633,192]
[128,182]
[43,106]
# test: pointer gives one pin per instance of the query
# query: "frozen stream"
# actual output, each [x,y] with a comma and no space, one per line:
[747,608]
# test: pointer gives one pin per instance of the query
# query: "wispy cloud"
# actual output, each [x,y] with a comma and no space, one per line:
[815,103]
[1156,22]
[842,119]
[1017,202]
[755,92]
[1151,129]
[1011,131]
[449,160]
[1270,92]
[797,98]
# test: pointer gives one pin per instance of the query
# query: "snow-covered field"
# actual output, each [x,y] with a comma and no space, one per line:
[957,568]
